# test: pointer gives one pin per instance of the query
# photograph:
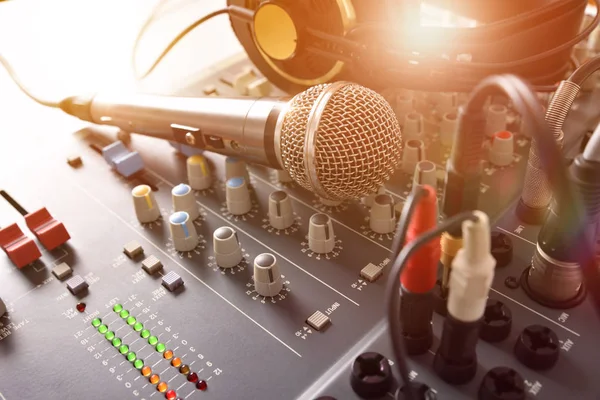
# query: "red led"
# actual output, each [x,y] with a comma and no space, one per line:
[170,395]
[202,385]
[192,377]
[80,307]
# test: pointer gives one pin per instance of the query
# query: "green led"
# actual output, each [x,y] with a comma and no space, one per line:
[138,364]
[145,333]
[131,357]
[103,329]
[110,335]
[160,347]
[131,321]
[152,340]
[123,349]
[96,322]
[124,314]
[116,342]
[117,308]
[138,327]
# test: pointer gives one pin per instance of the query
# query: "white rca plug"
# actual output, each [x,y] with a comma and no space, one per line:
[472,271]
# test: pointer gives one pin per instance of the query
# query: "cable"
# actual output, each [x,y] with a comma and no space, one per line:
[171,44]
[392,294]
[13,75]
[585,70]
[407,212]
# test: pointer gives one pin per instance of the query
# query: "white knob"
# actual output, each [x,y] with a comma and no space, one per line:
[226,245]
[413,126]
[404,105]
[237,196]
[184,200]
[234,167]
[501,148]
[284,176]
[414,151]
[382,218]
[267,277]
[183,232]
[425,174]
[320,234]
[281,215]
[368,200]
[146,209]
[448,128]
[447,103]
[198,172]
[496,119]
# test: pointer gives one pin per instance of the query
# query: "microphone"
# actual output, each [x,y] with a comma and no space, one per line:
[338,140]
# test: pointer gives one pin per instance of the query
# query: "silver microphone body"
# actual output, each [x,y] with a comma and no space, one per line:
[242,127]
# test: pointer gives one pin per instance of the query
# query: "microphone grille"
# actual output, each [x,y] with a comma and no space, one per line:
[340,140]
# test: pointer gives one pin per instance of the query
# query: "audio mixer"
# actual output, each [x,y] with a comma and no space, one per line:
[151,270]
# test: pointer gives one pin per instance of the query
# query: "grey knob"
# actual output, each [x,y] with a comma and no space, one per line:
[413,126]
[237,196]
[234,167]
[501,148]
[283,176]
[227,248]
[267,276]
[382,218]
[183,232]
[198,172]
[320,234]
[144,203]
[368,200]
[496,119]
[184,200]
[413,152]
[281,215]
[404,105]
[425,174]
[448,128]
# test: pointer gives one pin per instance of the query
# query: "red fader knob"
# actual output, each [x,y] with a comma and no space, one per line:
[50,232]
[21,249]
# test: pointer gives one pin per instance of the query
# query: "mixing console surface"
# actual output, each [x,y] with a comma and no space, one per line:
[242,284]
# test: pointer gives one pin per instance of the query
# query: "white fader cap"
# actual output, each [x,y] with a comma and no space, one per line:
[228,252]
[146,209]
[183,232]
[184,200]
[382,218]
[281,215]
[320,234]
[267,276]
[198,172]
[237,196]
[501,148]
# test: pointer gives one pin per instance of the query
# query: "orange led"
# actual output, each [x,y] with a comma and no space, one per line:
[146,371]
[176,362]
[168,354]
[162,387]
[154,379]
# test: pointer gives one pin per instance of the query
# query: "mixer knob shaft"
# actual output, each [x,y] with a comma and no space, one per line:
[198,172]
[144,204]
[320,234]
[281,215]
[382,218]
[226,245]
[238,196]
[183,231]
[184,200]
[267,276]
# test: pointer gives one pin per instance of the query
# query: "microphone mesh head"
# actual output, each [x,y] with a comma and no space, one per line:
[357,142]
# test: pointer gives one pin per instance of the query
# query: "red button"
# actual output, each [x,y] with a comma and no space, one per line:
[49,231]
[20,249]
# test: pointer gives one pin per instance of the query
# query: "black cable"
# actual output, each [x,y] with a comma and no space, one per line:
[407,212]
[173,42]
[13,75]
[392,294]
[585,70]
